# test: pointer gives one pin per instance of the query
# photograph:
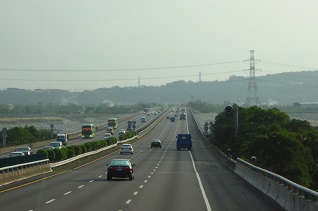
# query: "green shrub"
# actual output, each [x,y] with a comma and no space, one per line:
[77,149]
[88,146]
[43,151]
[70,152]
[84,149]
[51,155]
[60,154]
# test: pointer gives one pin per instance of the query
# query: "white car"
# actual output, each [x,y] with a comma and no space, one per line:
[107,135]
[56,144]
[16,154]
[25,150]
[121,131]
[126,148]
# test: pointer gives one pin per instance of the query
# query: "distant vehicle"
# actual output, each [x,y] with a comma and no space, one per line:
[107,135]
[25,150]
[56,144]
[155,143]
[113,122]
[120,168]
[16,154]
[183,116]
[62,137]
[184,141]
[168,117]
[88,131]
[48,147]
[126,148]
[172,119]
[110,130]
[148,114]
[143,119]
[146,110]
[183,110]
[175,115]
[121,131]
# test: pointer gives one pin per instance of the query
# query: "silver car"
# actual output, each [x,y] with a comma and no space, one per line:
[16,154]
[25,150]
[126,148]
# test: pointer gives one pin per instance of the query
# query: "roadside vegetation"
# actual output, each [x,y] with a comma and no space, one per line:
[285,146]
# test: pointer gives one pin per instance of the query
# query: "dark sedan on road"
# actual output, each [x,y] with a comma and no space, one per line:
[120,168]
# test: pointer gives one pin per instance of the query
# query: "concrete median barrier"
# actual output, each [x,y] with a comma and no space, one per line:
[23,171]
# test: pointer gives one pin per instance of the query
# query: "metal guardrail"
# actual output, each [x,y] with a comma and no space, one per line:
[292,186]
[23,165]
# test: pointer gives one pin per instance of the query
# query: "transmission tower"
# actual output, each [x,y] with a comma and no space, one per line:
[252,97]
[139,81]
[200,76]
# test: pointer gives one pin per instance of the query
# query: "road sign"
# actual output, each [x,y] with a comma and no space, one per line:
[4,130]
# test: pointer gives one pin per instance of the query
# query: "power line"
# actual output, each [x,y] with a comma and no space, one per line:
[116,70]
[118,79]
[288,65]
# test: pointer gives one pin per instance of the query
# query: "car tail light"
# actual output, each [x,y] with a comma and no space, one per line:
[127,169]
[111,168]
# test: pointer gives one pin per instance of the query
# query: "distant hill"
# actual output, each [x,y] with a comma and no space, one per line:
[284,88]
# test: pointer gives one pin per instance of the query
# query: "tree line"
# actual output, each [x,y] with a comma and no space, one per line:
[285,146]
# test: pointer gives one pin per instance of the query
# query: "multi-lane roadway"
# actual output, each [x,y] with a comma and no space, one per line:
[165,179]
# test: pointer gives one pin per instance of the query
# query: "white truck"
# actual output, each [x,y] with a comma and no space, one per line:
[62,137]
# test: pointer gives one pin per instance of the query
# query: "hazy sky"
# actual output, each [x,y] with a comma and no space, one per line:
[89,44]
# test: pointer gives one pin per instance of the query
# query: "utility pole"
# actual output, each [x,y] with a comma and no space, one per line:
[139,81]
[252,97]
[200,76]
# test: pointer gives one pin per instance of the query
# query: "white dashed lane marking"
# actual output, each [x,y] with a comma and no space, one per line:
[50,201]
[80,186]
[67,193]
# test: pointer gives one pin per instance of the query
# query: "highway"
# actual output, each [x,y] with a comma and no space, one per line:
[165,179]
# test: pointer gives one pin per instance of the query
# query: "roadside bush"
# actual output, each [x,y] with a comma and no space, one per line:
[122,136]
[43,151]
[77,149]
[111,141]
[88,146]
[60,154]
[84,149]
[70,152]
[51,155]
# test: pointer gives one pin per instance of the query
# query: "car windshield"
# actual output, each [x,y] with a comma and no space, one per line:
[119,163]
[23,149]
[55,144]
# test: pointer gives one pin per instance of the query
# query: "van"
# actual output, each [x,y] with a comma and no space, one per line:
[184,141]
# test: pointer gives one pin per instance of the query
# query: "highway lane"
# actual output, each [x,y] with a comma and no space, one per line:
[53,191]
[99,135]
[165,179]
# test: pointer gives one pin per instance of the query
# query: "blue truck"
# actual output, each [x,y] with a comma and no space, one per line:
[184,141]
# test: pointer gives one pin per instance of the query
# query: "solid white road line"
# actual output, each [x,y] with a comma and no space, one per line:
[207,204]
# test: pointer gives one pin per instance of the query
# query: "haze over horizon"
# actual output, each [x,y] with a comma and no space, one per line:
[90,44]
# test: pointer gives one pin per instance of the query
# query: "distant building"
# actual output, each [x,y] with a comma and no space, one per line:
[306,105]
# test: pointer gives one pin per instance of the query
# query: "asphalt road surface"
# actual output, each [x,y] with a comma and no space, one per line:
[165,179]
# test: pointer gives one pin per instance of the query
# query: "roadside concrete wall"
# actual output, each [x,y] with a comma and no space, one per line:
[283,195]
